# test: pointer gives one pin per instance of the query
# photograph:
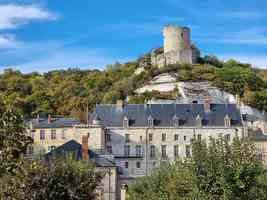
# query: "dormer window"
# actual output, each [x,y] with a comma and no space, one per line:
[175,120]
[198,121]
[125,122]
[150,121]
[227,121]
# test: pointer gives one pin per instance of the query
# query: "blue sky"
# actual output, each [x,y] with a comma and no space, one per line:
[46,35]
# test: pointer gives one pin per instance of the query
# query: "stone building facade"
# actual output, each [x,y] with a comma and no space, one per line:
[140,138]
[177,47]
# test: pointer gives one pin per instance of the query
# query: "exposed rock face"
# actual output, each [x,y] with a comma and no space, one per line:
[194,92]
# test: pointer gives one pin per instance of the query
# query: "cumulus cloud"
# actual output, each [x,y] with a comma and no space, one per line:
[13,15]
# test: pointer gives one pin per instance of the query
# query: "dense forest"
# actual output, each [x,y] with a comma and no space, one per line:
[70,92]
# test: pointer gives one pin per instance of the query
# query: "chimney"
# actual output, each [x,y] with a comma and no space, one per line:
[207,104]
[85,153]
[49,120]
[238,100]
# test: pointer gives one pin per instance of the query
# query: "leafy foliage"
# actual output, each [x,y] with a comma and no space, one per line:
[62,179]
[218,170]
[70,92]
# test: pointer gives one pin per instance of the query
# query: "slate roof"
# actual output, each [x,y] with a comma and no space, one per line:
[74,148]
[55,123]
[163,114]
[257,135]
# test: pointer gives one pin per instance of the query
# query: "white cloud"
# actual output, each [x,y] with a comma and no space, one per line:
[13,15]
[7,41]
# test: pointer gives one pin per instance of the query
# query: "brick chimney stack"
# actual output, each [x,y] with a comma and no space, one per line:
[85,153]
[49,120]
[207,104]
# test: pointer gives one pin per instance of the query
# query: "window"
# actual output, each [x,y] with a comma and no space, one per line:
[53,134]
[141,138]
[152,151]
[63,135]
[227,137]
[109,149]
[88,135]
[138,165]
[154,164]
[150,137]
[42,134]
[187,151]
[51,148]
[163,137]
[176,151]
[227,121]
[199,136]
[108,137]
[126,164]
[164,151]
[184,137]
[138,150]
[176,137]
[150,121]
[127,138]
[30,150]
[127,150]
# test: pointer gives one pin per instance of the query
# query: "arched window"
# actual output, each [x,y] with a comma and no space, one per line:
[150,121]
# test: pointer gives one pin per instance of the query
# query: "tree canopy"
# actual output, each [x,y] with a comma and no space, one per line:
[217,170]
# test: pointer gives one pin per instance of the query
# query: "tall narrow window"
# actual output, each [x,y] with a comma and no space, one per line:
[163,137]
[199,136]
[42,134]
[53,134]
[127,150]
[138,165]
[63,134]
[126,164]
[108,137]
[187,151]
[176,137]
[163,151]
[150,137]
[127,138]
[152,151]
[138,150]
[109,149]
[176,151]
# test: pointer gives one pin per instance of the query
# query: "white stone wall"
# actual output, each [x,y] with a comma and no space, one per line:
[140,136]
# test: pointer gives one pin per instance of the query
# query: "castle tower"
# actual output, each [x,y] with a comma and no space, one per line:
[176,38]
[177,47]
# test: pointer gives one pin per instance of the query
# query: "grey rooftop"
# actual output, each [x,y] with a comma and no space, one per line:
[112,115]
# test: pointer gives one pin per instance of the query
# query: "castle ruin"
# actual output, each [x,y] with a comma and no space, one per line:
[177,47]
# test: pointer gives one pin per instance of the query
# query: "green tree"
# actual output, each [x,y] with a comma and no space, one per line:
[60,179]
[217,170]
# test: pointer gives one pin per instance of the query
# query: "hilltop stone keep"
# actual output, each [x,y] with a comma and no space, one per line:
[177,47]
